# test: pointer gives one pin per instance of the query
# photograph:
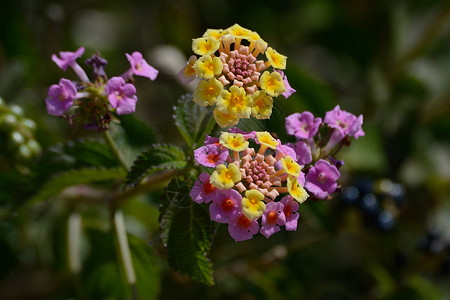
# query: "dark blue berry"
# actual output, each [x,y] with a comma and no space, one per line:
[369,204]
[385,220]
[350,195]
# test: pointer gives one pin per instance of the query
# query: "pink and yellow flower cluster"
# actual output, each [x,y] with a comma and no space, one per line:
[238,73]
[247,182]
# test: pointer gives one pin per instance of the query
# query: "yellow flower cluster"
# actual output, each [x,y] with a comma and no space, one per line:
[234,76]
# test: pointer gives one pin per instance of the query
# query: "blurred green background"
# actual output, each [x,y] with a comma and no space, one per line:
[387,60]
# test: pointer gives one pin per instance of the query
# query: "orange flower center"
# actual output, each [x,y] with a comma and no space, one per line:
[208,188]
[243,221]
[272,217]
[227,204]
[213,158]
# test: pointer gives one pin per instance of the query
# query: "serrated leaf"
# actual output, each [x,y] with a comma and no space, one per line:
[187,231]
[72,155]
[156,158]
[136,131]
[192,120]
[75,177]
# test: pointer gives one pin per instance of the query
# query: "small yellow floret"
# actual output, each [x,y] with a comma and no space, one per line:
[205,45]
[272,83]
[233,141]
[239,31]
[224,178]
[267,140]
[235,102]
[262,105]
[187,74]
[276,60]
[225,119]
[290,166]
[296,190]
[207,91]
[253,205]
[215,33]
[206,67]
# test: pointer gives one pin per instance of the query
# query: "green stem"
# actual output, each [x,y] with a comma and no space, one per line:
[73,242]
[117,153]
[147,184]
[124,249]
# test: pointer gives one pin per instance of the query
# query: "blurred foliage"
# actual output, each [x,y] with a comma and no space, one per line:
[387,60]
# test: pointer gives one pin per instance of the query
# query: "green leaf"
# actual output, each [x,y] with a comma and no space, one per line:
[74,155]
[157,158]
[103,274]
[146,267]
[75,177]
[137,132]
[187,231]
[192,120]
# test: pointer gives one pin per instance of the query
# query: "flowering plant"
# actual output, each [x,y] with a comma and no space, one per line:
[249,180]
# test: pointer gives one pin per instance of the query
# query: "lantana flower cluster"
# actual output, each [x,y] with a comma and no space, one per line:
[259,188]
[247,182]
[238,73]
[93,100]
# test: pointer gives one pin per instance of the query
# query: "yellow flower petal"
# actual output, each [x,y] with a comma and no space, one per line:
[205,45]
[290,166]
[252,204]
[296,190]
[235,102]
[207,91]
[215,33]
[233,141]
[276,60]
[272,83]
[224,178]
[187,74]
[206,67]
[262,105]
[225,119]
[267,140]
[239,31]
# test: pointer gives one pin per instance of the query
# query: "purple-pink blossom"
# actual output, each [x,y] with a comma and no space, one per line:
[302,126]
[121,95]
[289,90]
[60,97]
[224,205]
[140,66]
[66,58]
[241,228]
[203,191]
[272,219]
[302,153]
[210,155]
[345,122]
[211,140]
[321,179]
[290,208]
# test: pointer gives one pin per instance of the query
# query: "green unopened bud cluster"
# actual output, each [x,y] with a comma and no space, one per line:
[17,142]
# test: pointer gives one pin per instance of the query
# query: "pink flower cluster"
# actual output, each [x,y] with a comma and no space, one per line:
[259,171]
[94,100]
[321,176]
